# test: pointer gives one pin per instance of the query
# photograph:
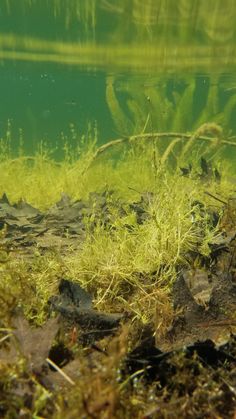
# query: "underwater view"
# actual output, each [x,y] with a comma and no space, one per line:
[118,209]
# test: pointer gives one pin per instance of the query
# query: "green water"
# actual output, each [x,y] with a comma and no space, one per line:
[68,67]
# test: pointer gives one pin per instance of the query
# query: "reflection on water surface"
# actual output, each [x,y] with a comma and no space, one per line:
[132,66]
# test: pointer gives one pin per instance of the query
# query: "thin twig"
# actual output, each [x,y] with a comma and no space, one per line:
[158,136]
[215,197]
[5,337]
[58,369]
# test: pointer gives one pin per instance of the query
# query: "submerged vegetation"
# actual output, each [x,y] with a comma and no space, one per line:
[127,231]
[117,261]
[163,104]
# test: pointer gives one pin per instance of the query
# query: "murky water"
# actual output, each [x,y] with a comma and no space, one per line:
[117,66]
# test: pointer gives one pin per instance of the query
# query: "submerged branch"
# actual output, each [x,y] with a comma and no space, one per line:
[158,136]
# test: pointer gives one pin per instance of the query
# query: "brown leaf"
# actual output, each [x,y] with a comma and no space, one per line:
[35,343]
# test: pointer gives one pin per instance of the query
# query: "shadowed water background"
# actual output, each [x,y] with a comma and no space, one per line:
[118,68]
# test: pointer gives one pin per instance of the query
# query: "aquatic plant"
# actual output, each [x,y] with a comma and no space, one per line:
[163,105]
[142,168]
[145,224]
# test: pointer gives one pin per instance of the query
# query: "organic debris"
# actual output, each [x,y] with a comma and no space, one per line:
[145,326]
[205,296]
[62,226]
[75,306]
[207,172]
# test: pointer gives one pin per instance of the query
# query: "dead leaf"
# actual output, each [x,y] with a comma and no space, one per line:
[34,343]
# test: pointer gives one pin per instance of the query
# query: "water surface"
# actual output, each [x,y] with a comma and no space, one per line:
[120,67]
